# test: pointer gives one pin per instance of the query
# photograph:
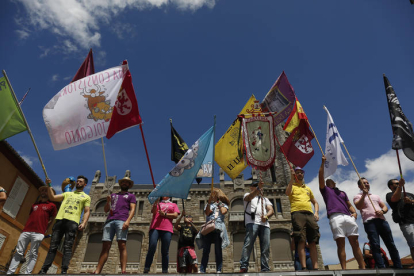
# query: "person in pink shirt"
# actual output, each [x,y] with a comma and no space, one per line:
[163,213]
[372,210]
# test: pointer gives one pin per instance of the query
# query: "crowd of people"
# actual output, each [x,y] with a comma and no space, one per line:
[257,210]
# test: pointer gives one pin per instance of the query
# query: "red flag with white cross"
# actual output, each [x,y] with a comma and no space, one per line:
[125,113]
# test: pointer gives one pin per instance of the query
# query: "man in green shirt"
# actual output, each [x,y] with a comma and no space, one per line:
[67,222]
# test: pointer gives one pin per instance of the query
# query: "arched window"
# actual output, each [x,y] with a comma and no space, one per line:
[134,246]
[238,242]
[172,251]
[237,205]
[280,245]
[94,248]
[100,207]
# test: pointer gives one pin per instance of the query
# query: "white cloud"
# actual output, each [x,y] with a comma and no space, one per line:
[377,171]
[22,34]
[28,159]
[77,22]
[55,77]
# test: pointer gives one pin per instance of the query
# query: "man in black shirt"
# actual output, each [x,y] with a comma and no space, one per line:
[402,205]
[187,258]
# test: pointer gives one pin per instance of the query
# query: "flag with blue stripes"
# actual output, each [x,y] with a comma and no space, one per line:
[178,181]
[333,151]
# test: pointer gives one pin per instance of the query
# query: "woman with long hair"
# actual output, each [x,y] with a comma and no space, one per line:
[163,213]
[216,207]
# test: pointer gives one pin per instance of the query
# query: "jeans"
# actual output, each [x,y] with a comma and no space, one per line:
[309,265]
[208,240]
[35,240]
[165,237]
[65,227]
[376,228]
[114,227]
[252,231]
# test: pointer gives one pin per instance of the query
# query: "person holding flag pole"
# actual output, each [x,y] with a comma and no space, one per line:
[401,202]
[298,150]
[341,214]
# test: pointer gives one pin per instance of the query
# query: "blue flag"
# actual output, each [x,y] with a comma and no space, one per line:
[178,181]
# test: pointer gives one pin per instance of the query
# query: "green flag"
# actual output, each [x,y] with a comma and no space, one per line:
[11,118]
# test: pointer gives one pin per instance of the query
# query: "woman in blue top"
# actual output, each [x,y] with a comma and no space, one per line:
[218,202]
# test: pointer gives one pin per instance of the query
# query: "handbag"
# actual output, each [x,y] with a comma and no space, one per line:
[210,226]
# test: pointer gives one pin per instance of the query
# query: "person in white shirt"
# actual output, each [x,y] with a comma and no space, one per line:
[258,210]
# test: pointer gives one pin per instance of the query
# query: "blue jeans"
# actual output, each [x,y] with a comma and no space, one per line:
[252,231]
[165,237]
[376,228]
[208,240]
[309,265]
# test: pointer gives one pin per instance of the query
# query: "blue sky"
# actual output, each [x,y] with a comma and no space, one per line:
[191,60]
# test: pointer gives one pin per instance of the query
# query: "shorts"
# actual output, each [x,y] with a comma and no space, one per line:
[408,232]
[305,227]
[113,227]
[186,259]
[343,225]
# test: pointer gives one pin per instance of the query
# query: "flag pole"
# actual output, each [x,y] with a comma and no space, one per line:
[146,152]
[27,125]
[106,168]
[316,138]
[24,97]
[214,151]
[363,185]
[399,166]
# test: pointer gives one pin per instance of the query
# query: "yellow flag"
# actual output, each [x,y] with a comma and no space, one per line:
[294,119]
[226,150]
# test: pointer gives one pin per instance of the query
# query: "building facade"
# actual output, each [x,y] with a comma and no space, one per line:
[89,245]
[21,184]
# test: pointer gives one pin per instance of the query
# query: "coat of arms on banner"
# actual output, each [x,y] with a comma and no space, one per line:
[259,142]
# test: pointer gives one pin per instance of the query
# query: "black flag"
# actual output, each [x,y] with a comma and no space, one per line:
[178,146]
[401,127]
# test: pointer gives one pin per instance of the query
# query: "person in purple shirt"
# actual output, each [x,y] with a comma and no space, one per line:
[121,207]
[342,218]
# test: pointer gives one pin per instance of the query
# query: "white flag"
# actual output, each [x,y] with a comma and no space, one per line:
[333,152]
[82,110]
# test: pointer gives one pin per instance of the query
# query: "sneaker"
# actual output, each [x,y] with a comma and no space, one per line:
[64,272]
[42,271]
[243,270]
[123,272]
[146,270]
[218,272]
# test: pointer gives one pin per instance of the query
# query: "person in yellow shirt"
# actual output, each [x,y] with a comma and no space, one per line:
[304,220]
[67,221]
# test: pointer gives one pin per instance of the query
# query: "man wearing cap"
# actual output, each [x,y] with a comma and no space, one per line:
[342,218]
[257,211]
[402,205]
[121,207]
[67,222]
[372,212]
[41,216]
[304,221]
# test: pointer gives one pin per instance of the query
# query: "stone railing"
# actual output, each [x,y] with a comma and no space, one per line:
[236,216]
[88,267]
[98,217]
[283,266]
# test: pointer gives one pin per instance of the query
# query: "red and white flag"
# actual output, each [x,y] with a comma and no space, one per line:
[125,113]
[82,110]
